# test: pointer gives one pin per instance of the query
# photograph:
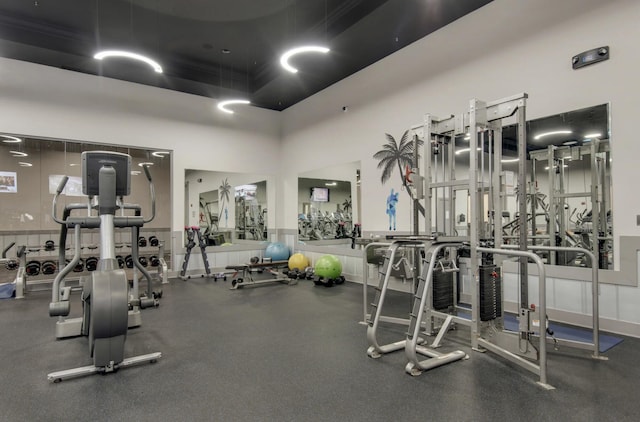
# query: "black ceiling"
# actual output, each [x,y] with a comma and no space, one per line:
[187,38]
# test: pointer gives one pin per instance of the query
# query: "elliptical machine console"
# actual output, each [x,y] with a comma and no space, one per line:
[105,295]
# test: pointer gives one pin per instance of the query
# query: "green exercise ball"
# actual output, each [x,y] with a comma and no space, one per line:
[328,266]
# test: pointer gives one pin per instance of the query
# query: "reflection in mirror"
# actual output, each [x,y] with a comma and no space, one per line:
[569,192]
[30,171]
[251,211]
[328,202]
[228,207]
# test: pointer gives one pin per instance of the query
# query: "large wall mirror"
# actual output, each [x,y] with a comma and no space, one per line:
[569,195]
[228,207]
[30,170]
[569,192]
[328,203]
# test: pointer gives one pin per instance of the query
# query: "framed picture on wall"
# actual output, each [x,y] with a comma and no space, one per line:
[8,182]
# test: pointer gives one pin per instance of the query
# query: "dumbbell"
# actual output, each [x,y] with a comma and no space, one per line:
[49,245]
[120,261]
[142,242]
[79,266]
[143,261]
[11,265]
[128,260]
[48,267]
[92,263]
[153,241]
[33,268]
[154,261]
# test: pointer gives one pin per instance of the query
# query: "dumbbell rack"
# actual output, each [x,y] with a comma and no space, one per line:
[24,280]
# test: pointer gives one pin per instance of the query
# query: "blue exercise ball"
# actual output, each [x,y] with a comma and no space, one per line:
[277,252]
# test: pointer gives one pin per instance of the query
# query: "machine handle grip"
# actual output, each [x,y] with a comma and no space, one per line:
[62,184]
[146,172]
[4,252]
[152,192]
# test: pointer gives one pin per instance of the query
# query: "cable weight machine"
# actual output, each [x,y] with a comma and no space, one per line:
[480,241]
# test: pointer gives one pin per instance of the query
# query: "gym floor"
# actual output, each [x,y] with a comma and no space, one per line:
[289,353]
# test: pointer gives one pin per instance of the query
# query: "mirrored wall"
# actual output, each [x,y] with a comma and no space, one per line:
[569,186]
[328,203]
[228,207]
[31,168]
[30,171]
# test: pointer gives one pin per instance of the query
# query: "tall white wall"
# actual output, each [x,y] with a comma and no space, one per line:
[504,48]
[44,101]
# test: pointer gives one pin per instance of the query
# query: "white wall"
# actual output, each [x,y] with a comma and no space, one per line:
[48,102]
[504,48]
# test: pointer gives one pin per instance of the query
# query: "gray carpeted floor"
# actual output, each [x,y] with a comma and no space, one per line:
[288,353]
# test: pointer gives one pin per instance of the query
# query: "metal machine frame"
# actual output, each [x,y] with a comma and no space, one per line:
[482,125]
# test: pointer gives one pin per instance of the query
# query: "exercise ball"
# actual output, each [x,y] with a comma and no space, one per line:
[298,261]
[277,251]
[328,266]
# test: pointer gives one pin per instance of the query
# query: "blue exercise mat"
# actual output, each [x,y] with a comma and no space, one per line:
[562,332]
[7,290]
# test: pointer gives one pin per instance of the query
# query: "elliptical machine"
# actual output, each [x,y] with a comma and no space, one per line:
[105,295]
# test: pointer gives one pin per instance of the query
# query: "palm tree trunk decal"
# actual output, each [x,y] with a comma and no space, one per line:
[397,154]
[224,192]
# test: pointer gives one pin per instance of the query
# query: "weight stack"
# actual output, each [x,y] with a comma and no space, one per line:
[442,289]
[490,292]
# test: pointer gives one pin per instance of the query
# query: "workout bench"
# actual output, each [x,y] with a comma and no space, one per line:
[246,277]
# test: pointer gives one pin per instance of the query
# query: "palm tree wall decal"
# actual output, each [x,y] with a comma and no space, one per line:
[400,155]
[224,191]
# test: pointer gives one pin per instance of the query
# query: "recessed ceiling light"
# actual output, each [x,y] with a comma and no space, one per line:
[563,166]
[569,143]
[509,160]
[460,151]
[19,154]
[10,139]
[117,53]
[160,154]
[135,172]
[145,164]
[284,59]
[24,164]
[223,104]
[592,135]
[331,184]
[555,132]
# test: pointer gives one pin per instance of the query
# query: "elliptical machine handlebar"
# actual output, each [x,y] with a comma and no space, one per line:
[152,192]
[4,252]
[61,185]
